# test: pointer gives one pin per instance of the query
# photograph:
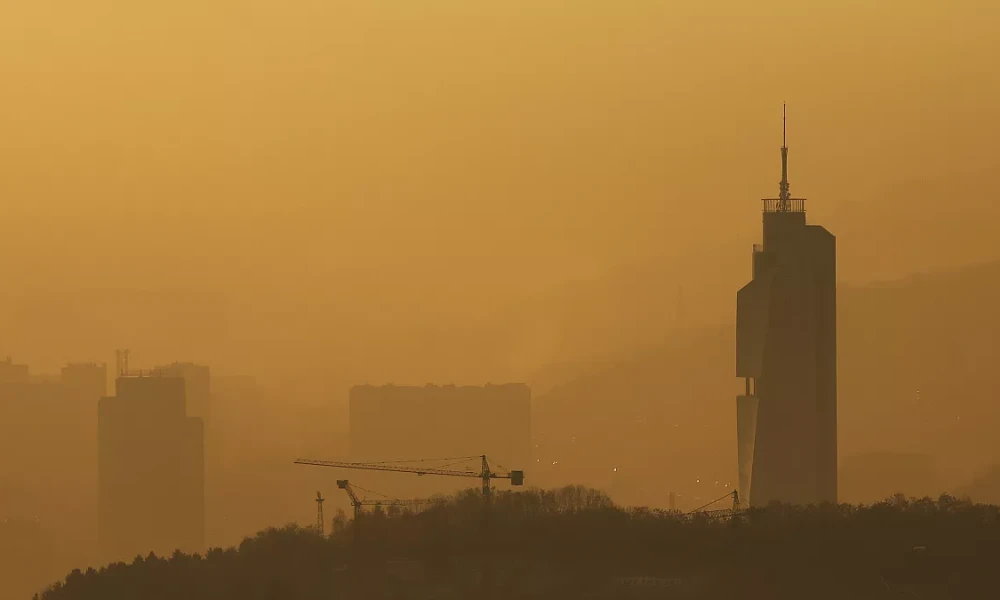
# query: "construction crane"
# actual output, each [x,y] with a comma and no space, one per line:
[320,523]
[725,513]
[358,503]
[486,474]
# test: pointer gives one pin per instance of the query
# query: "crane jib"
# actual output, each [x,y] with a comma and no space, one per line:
[516,477]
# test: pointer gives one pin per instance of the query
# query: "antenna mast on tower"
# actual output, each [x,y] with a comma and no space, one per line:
[121,358]
[784,203]
[784,195]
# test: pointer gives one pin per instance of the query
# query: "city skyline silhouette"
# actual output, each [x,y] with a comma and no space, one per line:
[396,231]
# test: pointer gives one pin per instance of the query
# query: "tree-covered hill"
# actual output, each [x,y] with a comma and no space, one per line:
[573,543]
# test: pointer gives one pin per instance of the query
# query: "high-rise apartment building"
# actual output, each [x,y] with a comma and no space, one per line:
[48,430]
[150,470]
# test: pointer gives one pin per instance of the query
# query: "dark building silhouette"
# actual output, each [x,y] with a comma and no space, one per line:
[150,470]
[198,385]
[411,422]
[48,434]
[786,351]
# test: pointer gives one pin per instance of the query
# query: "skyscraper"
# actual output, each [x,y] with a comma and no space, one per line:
[786,351]
[150,470]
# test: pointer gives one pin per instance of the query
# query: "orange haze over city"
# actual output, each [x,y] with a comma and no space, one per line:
[562,193]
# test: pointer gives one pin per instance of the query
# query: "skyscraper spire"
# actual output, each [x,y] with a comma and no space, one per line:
[784,196]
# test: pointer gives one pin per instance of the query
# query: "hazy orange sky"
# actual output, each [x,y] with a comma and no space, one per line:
[207,179]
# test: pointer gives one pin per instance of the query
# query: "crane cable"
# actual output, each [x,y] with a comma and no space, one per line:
[358,487]
[418,460]
[390,499]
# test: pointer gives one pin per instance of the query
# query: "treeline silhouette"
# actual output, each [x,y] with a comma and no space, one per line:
[573,542]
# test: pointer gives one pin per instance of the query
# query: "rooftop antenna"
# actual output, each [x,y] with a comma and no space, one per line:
[121,358]
[784,196]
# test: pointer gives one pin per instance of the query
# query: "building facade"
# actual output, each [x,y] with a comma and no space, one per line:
[786,352]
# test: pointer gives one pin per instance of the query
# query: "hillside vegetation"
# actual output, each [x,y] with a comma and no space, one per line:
[574,543]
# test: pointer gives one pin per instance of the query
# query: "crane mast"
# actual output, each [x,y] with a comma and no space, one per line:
[320,524]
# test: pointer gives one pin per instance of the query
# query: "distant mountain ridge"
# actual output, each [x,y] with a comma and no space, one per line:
[916,363]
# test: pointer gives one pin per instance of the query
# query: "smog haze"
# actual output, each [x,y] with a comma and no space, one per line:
[290,185]
[308,196]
